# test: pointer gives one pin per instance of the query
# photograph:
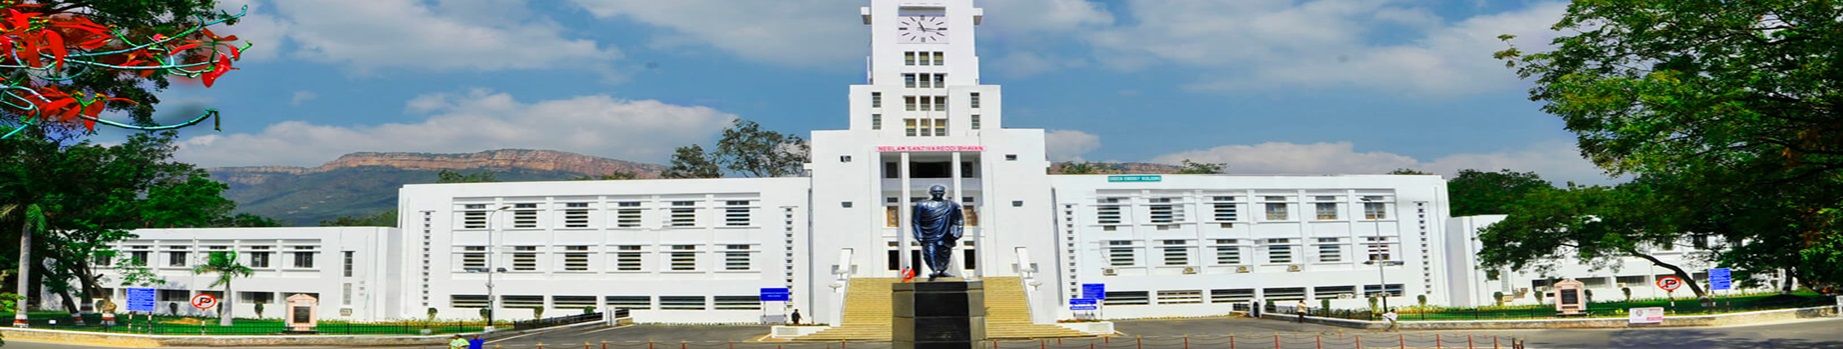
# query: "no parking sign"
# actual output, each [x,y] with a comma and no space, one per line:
[204,301]
[1669,283]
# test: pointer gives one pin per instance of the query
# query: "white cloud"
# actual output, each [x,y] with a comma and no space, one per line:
[809,33]
[1021,18]
[1026,63]
[1065,145]
[259,27]
[1555,160]
[377,34]
[302,97]
[1244,45]
[640,130]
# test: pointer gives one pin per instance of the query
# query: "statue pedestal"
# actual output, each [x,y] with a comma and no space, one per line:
[944,314]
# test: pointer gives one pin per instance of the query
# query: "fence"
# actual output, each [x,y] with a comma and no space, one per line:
[556,321]
[1595,309]
[209,326]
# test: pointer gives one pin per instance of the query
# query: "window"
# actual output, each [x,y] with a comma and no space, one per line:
[940,80]
[1163,211]
[1330,250]
[1279,252]
[345,294]
[684,257]
[1394,290]
[940,58]
[1224,208]
[1231,295]
[908,58]
[1282,294]
[627,258]
[474,216]
[629,302]
[1326,210]
[940,127]
[138,256]
[1120,253]
[1180,297]
[348,259]
[736,213]
[1276,211]
[1108,211]
[1126,298]
[736,257]
[1227,253]
[1378,248]
[1176,252]
[259,256]
[473,258]
[909,103]
[572,302]
[176,258]
[467,301]
[1375,210]
[940,103]
[974,122]
[974,101]
[304,257]
[525,216]
[876,99]
[681,302]
[576,215]
[255,297]
[908,80]
[737,303]
[627,214]
[524,258]
[575,258]
[1332,292]
[908,127]
[876,121]
[684,214]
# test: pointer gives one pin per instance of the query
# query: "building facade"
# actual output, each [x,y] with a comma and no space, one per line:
[701,250]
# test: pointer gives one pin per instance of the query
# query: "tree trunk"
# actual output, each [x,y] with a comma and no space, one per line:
[224,305]
[1687,281]
[25,265]
[70,306]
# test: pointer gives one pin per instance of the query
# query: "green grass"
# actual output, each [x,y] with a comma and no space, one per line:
[1613,309]
[177,325]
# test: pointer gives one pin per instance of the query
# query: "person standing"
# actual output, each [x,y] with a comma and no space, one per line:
[457,343]
[795,317]
[1391,317]
[1300,309]
[476,343]
[1256,310]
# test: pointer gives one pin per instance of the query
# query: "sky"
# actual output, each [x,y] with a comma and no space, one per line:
[1265,86]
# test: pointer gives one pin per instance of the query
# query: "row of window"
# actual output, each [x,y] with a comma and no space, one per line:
[1169,210]
[257,257]
[612,302]
[924,127]
[622,214]
[1244,295]
[924,58]
[620,258]
[1125,253]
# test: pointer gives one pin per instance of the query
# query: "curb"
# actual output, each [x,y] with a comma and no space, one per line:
[128,340]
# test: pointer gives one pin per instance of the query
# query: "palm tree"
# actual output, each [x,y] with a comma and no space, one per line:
[32,218]
[226,266]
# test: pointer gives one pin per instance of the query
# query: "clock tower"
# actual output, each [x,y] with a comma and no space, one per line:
[923,118]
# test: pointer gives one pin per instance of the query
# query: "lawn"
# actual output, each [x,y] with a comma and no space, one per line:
[1681,306]
[175,325]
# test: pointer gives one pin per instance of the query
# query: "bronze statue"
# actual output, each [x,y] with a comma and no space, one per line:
[938,225]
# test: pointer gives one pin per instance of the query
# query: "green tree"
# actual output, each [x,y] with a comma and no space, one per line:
[749,150]
[612,176]
[1191,167]
[227,268]
[691,162]
[245,220]
[1409,171]
[1593,225]
[451,176]
[1081,167]
[385,218]
[1729,107]
[1475,192]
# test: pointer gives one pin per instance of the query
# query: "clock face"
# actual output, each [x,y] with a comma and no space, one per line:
[922,29]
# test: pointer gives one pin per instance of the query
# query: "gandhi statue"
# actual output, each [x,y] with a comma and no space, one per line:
[938,225]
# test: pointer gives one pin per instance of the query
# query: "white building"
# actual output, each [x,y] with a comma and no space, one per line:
[346,268]
[700,251]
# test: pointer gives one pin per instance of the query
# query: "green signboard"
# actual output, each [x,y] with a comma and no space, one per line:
[1135,178]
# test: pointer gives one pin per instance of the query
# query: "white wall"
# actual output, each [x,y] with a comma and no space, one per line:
[370,269]
[1604,279]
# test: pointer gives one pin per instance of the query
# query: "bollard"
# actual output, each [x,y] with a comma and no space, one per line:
[1090,345]
[1436,342]
[1359,341]
[585,345]
[732,344]
[1186,341]
[1139,342]
[1231,341]
[1318,341]
[1468,341]
[649,344]
[1042,344]
[540,345]
[1494,342]
[1404,340]
[604,344]
[1276,341]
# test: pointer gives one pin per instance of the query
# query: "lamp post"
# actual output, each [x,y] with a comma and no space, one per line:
[492,265]
[1379,259]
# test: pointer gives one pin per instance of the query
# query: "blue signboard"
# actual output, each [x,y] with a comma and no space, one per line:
[1721,279]
[1083,301]
[1081,307]
[1094,291]
[771,294]
[1135,178]
[141,299]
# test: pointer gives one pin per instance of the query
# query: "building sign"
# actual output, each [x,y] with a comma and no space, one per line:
[141,299]
[771,294]
[1094,291]
[1135,178]
[1721,279]
[1652,315]
[1083,301]
[1082,307]
[927,148]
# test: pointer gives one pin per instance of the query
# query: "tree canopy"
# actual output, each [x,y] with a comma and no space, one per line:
[745,149]
[1475,192]
[1192,167]
[691,162]
[1731,111]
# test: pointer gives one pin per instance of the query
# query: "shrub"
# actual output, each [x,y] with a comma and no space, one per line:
[1422,299]
[486,313]
[588,310]
[1498,297]
[258,310]
[537,312]
[1628,293]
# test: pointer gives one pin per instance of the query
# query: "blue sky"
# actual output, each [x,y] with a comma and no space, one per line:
[1267,86]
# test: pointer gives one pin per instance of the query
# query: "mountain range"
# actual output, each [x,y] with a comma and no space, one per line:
[360,184]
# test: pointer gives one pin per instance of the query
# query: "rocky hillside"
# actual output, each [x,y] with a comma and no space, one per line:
[1123,168]
[366,183]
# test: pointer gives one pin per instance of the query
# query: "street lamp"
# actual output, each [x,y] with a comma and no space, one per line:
[492,265]
[1379,260]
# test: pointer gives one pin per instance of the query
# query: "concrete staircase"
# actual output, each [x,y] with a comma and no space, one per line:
[868,311]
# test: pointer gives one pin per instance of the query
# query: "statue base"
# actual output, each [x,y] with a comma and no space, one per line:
[948,313]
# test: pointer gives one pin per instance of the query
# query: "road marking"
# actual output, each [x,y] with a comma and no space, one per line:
[543,332]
